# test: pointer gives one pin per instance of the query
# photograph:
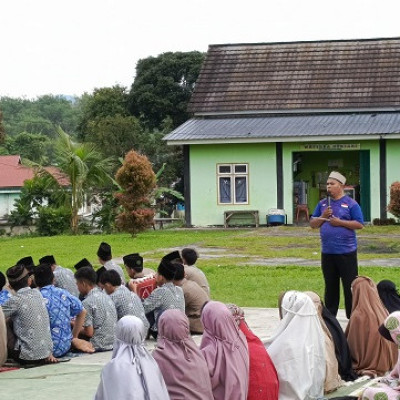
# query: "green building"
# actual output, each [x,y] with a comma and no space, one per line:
[271,120]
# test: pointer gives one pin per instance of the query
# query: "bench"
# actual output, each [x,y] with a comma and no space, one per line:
[229,214]
[162,221]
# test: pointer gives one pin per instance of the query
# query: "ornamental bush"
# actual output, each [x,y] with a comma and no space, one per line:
[394,205]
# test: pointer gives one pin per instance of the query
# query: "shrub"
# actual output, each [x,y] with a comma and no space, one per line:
[53,221]
[394,205]
[384,221]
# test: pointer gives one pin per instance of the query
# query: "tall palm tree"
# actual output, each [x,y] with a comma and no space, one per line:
[85,168]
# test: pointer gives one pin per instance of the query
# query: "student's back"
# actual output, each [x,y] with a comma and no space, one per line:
[31,324]
[128,303]
[102,315]
[197,275]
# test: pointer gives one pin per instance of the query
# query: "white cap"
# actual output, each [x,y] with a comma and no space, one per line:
[338,176]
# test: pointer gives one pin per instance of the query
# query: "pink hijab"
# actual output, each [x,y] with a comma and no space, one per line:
[225,349]
[181,362]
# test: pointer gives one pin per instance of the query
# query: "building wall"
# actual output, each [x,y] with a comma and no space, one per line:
[393,165]
[7,202]
[261,158]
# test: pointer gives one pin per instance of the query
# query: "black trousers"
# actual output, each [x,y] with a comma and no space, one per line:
[334,268]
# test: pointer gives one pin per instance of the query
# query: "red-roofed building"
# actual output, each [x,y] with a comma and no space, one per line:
[12,177]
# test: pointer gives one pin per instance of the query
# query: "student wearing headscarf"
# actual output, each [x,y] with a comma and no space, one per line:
[180,360]
[389,386]
[390,297]
[297,349]
[372,355]
[132,373]
[3,338]
[332,378]
[225,349]
[342,350]
[263,378]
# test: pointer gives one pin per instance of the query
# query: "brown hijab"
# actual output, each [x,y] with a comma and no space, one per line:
[371,353]
[332,378]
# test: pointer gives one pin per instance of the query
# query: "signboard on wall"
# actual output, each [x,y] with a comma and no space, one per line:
[329,146]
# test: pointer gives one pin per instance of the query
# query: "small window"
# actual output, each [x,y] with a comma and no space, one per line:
[233,185]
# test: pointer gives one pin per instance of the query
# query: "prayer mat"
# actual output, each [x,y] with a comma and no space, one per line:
[5,369]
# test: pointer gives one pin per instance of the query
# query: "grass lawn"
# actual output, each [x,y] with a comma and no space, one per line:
[223,256]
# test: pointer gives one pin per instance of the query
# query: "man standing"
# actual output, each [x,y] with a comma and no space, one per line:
[338,216]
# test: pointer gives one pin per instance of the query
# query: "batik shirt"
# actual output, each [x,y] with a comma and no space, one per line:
[112,265]
[61,306]
[102,315]
[4,296]
[31,324]
[163,298]
[64,278]
[128,303]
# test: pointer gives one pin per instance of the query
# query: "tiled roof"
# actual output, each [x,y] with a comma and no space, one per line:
[345,74]
[278,127]
[13,175]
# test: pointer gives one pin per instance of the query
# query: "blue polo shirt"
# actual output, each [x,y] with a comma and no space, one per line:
[338,239]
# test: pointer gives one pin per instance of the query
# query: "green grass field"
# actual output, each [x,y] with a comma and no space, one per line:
[223,256]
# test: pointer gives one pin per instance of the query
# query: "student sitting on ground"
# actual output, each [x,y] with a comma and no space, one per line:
[180,360]
[263,378]
[4,293]
[105,259]
[166,296]
[189,258]
[389,295]
[132,373]
[63,277]
[101,316]
[225,349]
[195,298]
[367,314]
[125,301]
[62,306]
[332,378]
[3,338]
[297,349]
[134,266]
[388,387]
[28,263]
[30,321]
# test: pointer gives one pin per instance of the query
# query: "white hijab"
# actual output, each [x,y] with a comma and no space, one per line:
[297,349]
[132,373]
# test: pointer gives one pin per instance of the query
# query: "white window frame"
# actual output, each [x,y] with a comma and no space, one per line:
[232,175]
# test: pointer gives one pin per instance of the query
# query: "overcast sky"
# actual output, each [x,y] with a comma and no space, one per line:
[71,47]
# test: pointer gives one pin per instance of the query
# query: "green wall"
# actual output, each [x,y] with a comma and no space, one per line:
[261,158]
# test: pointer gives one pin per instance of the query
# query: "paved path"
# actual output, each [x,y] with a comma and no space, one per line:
[78,378]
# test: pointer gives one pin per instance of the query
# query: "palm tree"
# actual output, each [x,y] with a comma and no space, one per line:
[85,167]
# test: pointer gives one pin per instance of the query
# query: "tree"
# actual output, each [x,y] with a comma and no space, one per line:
[104,102]
[137,181]
[85,167]
[163,86]
[2,131]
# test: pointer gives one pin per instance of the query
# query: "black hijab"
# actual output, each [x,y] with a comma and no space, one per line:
[341,346]
[389,296]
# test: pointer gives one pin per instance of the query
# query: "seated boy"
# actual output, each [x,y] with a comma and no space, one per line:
[166,296]
[125,301]
[4,293]
[105,259]
[62,306]
[189,258]
[195,298]
[101,316]
[134,266]
[28,263]
[63,277]
[30,320]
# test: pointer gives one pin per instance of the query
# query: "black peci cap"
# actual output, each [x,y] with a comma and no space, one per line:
[83,263]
